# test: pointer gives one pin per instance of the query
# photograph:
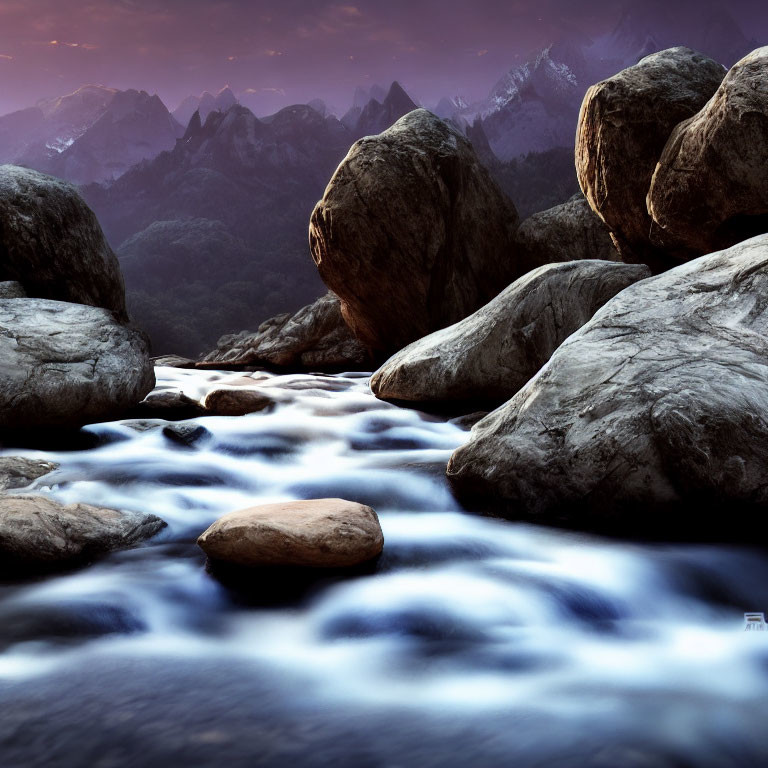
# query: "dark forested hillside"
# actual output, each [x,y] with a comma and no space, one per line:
[215,230]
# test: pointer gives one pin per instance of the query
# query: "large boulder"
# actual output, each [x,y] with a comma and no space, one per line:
[412,233]
[566,232]
[65,365]
[314,338]
[487,357]
[710,188]
[319,533]
[624,123]
[651,418]
[38,533]
[51,243]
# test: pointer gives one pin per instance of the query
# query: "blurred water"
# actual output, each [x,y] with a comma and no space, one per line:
[472,641]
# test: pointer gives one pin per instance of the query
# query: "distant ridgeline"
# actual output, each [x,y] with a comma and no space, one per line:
[208,206]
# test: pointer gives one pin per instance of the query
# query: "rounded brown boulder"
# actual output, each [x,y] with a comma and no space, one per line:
[710,188]
[624,123]
[319,533]
[412,233]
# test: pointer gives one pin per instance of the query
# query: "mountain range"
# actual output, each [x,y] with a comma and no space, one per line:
[208,206]
[92,135]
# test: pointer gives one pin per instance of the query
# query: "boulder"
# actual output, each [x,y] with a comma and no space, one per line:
[19,472]
[236,401]
[488,356]
[10,289]
[65,365]
[51,243]
[314,338]
[565,233]
[624,123]
[171,405]
[710,188]
[38,533]
[652,418]
[320,533]
[412,233]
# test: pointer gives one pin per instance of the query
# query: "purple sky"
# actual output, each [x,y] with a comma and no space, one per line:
[288,51]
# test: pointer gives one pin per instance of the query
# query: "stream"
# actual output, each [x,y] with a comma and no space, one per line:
[471,642]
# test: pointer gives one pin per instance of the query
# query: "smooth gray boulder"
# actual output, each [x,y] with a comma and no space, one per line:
[412,233]
[65,365]
[710,188]
[51,243]
[38,533]
[488,356]
[624,123]
[314,338]
[566,232]
[652,418]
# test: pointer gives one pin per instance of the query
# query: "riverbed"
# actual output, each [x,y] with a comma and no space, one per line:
[472,641]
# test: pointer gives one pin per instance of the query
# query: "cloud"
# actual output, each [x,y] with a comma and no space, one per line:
[6,56]
[84,46]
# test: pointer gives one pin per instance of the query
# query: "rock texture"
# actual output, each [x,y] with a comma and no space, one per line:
[412,233]
[10,289]
[624,123]
[320,533]
[39,533]
[65,365]
[565,233]
[653,416]
[710,189]
[488,356]
[51,243]
[236,401]
[314,338]
[18,472]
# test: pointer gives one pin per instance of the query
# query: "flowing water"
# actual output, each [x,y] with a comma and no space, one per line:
[472,641]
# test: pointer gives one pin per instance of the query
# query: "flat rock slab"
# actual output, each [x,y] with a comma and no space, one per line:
[653,417]
[65,365]
[39,533]
[488,356]
[17,472]
[319,533]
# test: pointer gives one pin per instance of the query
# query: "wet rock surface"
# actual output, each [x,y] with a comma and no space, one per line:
[316,533]
[65,365]
[651,418]
[38,533]
[488,356]
[19,472]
